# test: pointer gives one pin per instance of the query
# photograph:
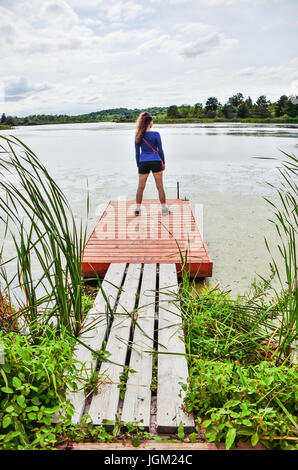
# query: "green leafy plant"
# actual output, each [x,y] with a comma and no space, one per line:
[257,402]
[33,382]
[123,380]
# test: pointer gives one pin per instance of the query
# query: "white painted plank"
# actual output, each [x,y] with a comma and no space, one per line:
[172,369]
[104,405]
[97,319]
[137,400]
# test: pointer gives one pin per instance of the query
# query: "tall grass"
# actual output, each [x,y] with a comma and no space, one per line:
[251,328]
[285,221]
[36,213]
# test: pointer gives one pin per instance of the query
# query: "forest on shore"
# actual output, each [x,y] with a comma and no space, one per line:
[236,109]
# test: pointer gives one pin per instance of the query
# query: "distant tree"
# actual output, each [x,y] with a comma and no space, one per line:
[185,110]
[228,111]
[236,100]
[3,119]
[249,102]
[172,112]
[261,107]
[212,104]
[292,109]
[243,110]
[198,110]
[10,121]
[281,106]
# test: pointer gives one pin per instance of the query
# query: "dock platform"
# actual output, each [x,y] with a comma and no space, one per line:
[121,237]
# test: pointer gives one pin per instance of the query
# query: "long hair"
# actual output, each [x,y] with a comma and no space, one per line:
[143,122]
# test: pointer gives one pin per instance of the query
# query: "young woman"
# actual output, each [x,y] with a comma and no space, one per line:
[149,157]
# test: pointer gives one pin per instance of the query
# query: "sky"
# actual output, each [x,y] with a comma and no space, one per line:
[79,56]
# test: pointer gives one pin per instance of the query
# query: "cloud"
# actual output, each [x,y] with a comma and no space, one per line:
[206,44]
[7,33]
[19,88]
[126,11]
[194,28]
[58,13]
[171,2]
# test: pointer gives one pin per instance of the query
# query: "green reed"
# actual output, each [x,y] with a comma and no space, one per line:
[40,220]
[285,221]
[250,328]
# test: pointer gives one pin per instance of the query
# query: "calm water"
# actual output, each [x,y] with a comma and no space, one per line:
[213,163]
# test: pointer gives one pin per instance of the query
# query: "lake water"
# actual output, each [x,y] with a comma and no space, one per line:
[214,164]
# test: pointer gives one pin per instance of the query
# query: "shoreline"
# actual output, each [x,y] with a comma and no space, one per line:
[164,121]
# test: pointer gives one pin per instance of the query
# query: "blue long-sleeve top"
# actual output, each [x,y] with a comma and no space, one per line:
[144,153]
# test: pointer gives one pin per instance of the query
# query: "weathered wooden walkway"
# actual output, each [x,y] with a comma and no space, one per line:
[121,237]
[142,329]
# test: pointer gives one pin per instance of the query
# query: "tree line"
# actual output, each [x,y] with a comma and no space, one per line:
[236,108]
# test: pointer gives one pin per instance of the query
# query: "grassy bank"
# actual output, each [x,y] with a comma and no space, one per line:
[160,120]
[236,120]
[4,126]
[241,353]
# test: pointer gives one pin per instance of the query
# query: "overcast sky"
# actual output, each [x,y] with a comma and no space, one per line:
[78,56]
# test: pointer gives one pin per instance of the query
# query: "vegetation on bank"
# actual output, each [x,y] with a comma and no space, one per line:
[236,109]
[243,382]
[241,353]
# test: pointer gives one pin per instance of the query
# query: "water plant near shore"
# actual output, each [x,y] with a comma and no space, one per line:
[241,352]
[41,223]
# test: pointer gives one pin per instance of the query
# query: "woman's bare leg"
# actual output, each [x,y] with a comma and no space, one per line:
[140,190]
[159,185]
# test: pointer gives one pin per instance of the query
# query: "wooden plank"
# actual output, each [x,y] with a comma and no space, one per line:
[104,405]
[172,369]
[137,400]
[163,445]
[97,319]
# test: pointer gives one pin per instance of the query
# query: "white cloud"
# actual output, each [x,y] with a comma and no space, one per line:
[126,11]
[58,10]
[18,88]
[194,28]
[171,2]
[206,44]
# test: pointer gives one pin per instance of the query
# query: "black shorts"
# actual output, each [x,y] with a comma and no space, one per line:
[146,167]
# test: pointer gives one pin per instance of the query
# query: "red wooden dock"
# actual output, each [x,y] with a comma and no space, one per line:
[119,236]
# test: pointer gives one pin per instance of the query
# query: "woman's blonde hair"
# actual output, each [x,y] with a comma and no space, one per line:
[143,122]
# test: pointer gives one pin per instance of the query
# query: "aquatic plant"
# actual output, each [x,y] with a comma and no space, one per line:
[40,221]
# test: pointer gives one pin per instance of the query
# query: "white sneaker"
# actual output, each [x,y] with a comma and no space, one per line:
[165,210]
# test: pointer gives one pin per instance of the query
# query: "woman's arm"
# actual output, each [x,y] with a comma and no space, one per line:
[137,146]
[160,149]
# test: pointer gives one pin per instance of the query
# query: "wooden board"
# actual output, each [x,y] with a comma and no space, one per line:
[97,321]
[120,236]
[104,405]
[163,445]
[172,369]
[137,401]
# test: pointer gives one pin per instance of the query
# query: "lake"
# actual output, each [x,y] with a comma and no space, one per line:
[214,164]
